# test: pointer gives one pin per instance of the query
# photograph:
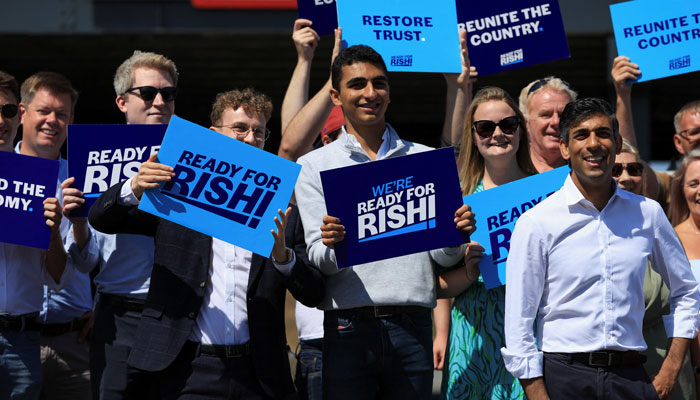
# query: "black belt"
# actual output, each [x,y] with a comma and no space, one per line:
[385,311]
[607,358]
[226,350]
[60,329]
[126,303]
[19,323]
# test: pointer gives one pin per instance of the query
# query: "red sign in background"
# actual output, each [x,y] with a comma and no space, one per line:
[246,4]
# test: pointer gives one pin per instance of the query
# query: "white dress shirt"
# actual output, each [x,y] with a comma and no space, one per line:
[577,273]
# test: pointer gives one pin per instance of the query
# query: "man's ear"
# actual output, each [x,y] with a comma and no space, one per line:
[335,97]
[564,148]
[121,103]
[22,111]
[678,142]
[618,144]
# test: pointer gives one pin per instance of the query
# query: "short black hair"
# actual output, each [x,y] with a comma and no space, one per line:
[352,55]
[9,84]
[577,110]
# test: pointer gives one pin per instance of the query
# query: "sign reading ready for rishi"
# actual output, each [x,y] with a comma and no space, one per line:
[663,38]
[395,207]
[498,209]
[24,184]
[321,12]
[411,35]
[100,156]
[222,187]
[509,34]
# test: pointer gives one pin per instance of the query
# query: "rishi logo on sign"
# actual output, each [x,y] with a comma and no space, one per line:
[398,207]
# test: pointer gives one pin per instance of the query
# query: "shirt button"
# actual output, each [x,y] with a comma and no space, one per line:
[203,284]
[191,315]
[610,307]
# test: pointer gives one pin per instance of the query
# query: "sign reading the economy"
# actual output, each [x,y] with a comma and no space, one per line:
[498,209]
[663,38]
[24,184]
[509,34]
[100,156]
[321,12]
[395,207]
[411,35]
[222,187]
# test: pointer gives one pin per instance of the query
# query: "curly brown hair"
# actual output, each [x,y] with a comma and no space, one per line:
[248,98]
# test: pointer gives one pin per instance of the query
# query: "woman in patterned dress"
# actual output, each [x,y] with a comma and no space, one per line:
[494,151]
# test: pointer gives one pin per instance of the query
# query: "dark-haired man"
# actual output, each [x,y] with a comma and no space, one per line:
[576,268]
[377,325]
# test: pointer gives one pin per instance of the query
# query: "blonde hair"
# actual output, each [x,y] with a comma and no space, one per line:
[51,81]
[678,209]
[691,108]
[551,83]
[124,77]
[627,147]
[248,98]
[470,162]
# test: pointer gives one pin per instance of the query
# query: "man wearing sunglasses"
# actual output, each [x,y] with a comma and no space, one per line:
[576,269]
[213,322]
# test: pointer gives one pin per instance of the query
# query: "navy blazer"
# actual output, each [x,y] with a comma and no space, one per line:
[178,284]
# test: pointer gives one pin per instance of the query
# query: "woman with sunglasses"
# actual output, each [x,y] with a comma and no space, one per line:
[494,151]
[628,172]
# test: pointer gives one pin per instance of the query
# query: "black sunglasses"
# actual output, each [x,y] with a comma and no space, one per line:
[634,169]
[148,93]
[8,110]
[539,84]
[485,128]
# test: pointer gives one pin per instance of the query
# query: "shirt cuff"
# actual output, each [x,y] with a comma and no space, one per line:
[682,326]
[285,269]
[127,196]
[86,259]
[523,366]
[448,256]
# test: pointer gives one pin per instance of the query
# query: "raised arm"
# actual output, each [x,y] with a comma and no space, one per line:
[299,136]
[624,73]
[458,97]
[305,41]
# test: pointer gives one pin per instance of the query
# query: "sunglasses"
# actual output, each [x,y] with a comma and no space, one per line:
[690,135]
[634,169]
[485,128]
[541,83]
[148,93]
[8,110]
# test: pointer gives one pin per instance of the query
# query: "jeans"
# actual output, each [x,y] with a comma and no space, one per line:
[308,371]
[20,365]
[367,357]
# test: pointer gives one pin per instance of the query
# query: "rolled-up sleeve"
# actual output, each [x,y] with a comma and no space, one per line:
[525,275]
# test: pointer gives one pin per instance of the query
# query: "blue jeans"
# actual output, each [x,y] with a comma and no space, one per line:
[20,365]
[367,357]
[308,371]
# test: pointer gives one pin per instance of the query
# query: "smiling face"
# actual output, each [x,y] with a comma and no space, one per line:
[499,144]
[691,188]
[363,94]
[139,111]
[625,180]
[44,123]
[591,151]
[690,139]
[544,110]
[8,126]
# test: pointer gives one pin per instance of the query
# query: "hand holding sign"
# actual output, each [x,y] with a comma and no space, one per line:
[472,256]
[305,39]
[150,176]
[464,219]
[279,249]
[468,76]
[72,199]
[332,231]
[624,73]
[52,213]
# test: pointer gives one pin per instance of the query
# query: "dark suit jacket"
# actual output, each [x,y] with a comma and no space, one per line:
[178,284]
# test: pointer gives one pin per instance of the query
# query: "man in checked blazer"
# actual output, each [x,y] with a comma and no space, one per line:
[213,321]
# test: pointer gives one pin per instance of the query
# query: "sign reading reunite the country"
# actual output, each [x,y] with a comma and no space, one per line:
[663,38]
[321,12]
[509,34]
[498,209]
[411,35]
[394,207]
[100,156]
[24,184]
[222,187]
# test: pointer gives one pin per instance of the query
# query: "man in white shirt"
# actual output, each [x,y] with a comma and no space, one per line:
[575,272]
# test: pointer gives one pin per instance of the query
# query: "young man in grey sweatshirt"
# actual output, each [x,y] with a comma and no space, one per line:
[377,327]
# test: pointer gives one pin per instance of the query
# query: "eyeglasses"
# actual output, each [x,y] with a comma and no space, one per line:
[485,128]
[539,84]
[241,131]
[634,169]
[8,110]
[693,134]
[148,93]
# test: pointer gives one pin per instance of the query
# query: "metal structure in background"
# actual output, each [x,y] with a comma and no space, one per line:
[217,49]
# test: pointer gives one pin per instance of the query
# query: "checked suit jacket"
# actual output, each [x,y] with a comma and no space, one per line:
[178,285]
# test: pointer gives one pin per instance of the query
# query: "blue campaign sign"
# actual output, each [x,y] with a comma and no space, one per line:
[411,35]
[394,207]
[663,38]
[509,34]
[498,209]
[222,187]
[100,156]
[321,12]
[24,184]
